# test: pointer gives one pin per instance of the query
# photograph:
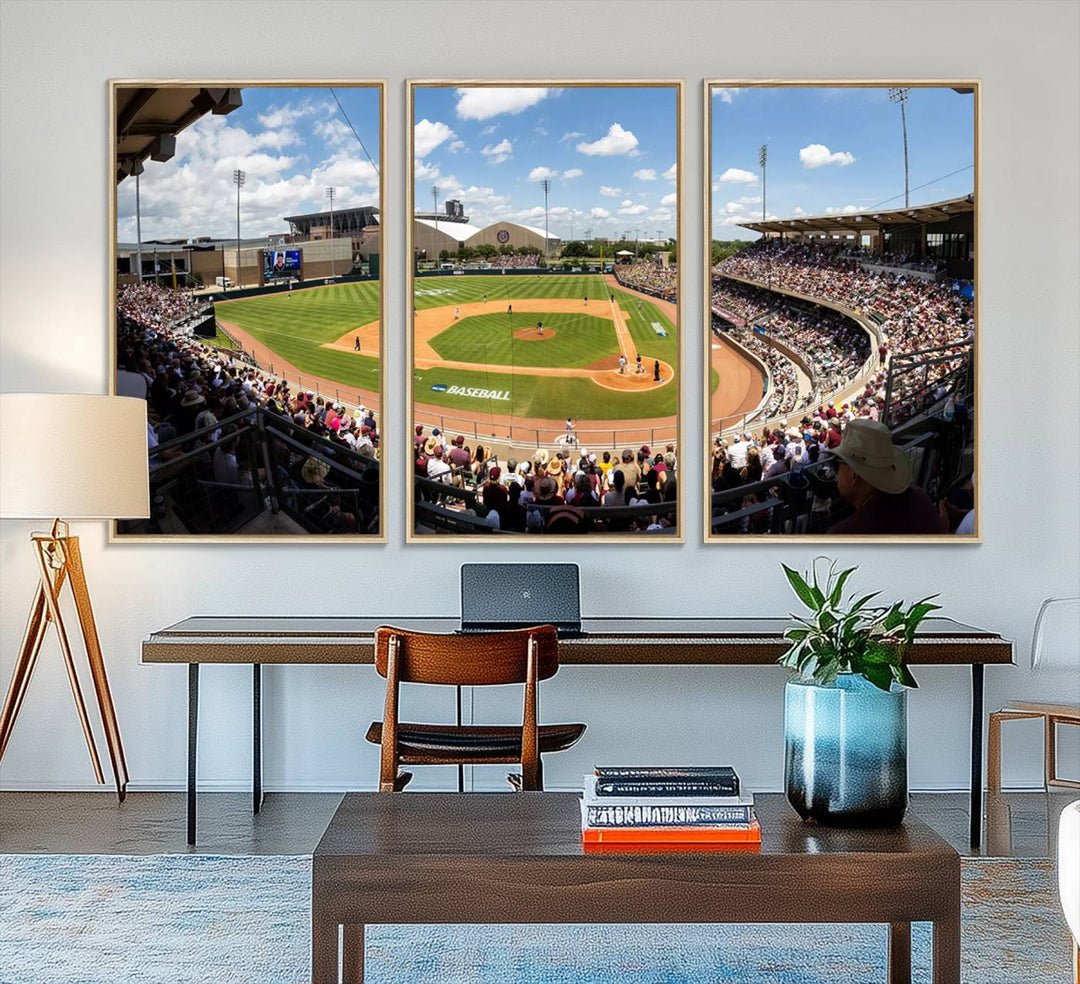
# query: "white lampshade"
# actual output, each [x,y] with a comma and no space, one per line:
[73,456]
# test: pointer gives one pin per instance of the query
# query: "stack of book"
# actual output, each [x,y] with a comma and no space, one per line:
[678,806]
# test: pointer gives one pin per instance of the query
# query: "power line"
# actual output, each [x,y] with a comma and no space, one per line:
[355,134]
[941,177]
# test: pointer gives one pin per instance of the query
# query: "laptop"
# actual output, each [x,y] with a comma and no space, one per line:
[516,596]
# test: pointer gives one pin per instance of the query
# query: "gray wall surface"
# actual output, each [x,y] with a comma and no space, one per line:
[56,58]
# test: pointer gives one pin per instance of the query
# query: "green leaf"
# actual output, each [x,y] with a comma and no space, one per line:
[801,588]
[862,601]
[903,676]
[880,676]
[838,590]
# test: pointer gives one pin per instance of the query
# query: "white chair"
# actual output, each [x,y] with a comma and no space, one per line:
[1055,646]
[1069,875]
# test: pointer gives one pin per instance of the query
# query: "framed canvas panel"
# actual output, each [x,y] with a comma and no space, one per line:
[544,242]
[245,251]
[841,334]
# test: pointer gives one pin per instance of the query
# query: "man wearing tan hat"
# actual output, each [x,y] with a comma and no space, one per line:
[874,476]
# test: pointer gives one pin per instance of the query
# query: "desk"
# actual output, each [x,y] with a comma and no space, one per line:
[518,858]
[644,641]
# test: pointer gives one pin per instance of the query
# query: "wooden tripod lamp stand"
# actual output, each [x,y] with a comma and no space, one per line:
[92,466]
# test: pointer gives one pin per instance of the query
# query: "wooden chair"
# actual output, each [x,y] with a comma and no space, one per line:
[485,659]
[1055,644]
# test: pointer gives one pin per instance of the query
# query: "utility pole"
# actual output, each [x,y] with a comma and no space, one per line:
[546,185]
[238,179]
[330,192]
[900,95]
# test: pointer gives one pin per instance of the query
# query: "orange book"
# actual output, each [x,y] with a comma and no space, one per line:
[749,834]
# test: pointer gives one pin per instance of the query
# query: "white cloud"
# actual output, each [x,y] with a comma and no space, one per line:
[669,199]
[540,173]
[599,213]
[629,208]
[334,131]
[798,210]
[423,170]
[617,141]
[489,129]
[736,175]
[661,215]
[482,104]
[671,173]
[570,135]
[645,174]
[609,191]
[280,116]
[571,173]
[428,135]
[502,151]
[724,95]
[818,155]
[845,210]
[455,146]
[750,199]
[541,131]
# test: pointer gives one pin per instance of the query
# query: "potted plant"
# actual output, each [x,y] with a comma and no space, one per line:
[845,714]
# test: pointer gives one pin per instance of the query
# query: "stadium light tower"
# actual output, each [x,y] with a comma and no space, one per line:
[435,207]
[899,94]
[546,185]
[330,192]
[238,179]
[763,159]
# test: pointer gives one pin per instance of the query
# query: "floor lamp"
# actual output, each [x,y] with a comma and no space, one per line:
[92,466]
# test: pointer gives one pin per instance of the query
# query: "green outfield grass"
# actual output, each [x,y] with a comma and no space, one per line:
[295,324]
[535,396]
[488,339]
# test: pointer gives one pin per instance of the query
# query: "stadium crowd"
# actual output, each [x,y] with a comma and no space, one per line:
[648,277]
[507,493]
[192,386]
[515,262]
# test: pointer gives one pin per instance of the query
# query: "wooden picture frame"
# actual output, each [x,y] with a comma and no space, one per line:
[545,430]
[344,501]
[754,518]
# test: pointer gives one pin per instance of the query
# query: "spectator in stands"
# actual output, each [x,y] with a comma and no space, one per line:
[874,477]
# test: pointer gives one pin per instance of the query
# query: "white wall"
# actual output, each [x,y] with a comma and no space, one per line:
[56,58]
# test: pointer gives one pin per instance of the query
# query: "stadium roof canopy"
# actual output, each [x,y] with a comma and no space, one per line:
[368,212]
[870,221]
[456,230]
[534,230]
[148,119]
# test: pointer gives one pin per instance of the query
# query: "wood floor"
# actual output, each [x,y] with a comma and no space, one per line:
[1022,824]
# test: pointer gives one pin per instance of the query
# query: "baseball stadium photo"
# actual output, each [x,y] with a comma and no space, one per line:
[841,346]
[545,319]
[248,304]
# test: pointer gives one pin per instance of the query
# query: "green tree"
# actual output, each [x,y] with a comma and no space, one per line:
[444,254]
[486,250]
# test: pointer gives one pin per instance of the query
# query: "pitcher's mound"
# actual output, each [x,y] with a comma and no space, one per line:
[531,335]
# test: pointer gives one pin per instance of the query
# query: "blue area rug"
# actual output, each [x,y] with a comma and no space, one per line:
[174,919]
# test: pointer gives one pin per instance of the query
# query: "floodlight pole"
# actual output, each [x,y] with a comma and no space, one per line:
[763,159]
[330,192]
[900,95]
[138,230]
[546,185]
[435,207]
[238,180]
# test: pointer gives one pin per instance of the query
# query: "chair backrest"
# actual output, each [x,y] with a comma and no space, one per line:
[468,659]
[1055,643]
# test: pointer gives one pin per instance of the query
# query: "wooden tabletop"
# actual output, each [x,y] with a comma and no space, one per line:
[608,640]
[518,857]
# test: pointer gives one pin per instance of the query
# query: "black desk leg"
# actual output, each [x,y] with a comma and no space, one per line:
[461,767]
[192,748]
[256,738]
[976,753]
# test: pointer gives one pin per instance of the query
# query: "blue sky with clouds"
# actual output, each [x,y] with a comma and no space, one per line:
[291,143]
[835,150]
[609,153]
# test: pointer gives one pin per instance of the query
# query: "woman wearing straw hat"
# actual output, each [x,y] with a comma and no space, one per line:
[874,476]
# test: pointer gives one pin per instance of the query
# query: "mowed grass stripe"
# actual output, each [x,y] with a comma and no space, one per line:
[296,324]
[548,397]
[466,290]
[489,339]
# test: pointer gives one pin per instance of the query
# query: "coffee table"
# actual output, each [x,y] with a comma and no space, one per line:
[433,858]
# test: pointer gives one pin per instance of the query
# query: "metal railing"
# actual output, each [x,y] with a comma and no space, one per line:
[270,466]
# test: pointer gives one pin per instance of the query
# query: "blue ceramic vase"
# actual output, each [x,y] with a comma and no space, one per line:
[846,751]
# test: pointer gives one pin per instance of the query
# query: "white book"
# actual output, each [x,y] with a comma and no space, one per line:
[591,799]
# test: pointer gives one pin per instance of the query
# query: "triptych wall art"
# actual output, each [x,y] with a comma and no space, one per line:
[544,319]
